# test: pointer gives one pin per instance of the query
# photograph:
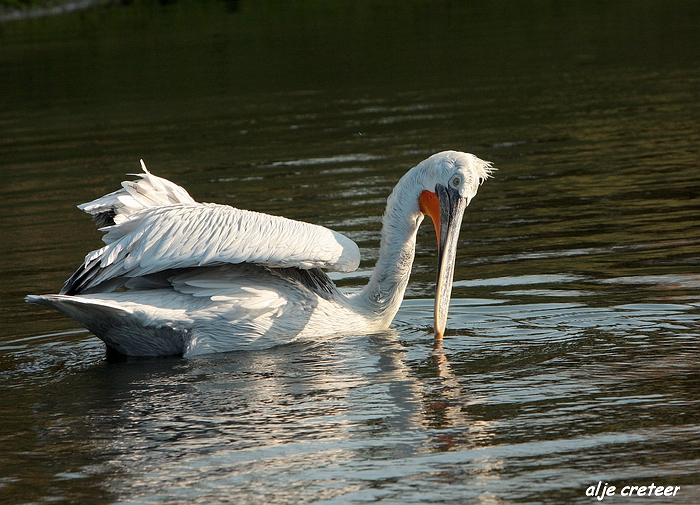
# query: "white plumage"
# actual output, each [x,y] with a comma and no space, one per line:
[201,277]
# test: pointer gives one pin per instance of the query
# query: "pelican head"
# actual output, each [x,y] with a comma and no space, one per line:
[448,181]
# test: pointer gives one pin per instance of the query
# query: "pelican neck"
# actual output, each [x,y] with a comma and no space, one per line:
[384,293]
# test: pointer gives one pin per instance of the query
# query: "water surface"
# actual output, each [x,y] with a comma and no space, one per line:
[571,354]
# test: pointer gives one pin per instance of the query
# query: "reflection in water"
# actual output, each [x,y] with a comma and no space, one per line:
[513,388]
[306,413]
[448,408]
[245,418]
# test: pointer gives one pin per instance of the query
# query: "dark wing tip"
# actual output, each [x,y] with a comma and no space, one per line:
[80,279]
[313,279]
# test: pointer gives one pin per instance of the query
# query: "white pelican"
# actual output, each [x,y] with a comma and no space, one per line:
[177,277]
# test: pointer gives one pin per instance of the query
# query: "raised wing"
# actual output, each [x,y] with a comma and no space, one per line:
[150,191]
[197,234]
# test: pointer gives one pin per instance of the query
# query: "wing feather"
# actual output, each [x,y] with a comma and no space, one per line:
[150,191]
[198,234]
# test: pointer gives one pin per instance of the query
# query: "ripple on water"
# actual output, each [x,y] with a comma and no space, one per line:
[518,391]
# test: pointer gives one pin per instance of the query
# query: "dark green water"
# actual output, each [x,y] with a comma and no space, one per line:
[572,351]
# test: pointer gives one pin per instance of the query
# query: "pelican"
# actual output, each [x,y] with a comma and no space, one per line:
[178,277]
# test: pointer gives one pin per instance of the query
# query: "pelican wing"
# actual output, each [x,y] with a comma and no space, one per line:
[149,191]
[189,235]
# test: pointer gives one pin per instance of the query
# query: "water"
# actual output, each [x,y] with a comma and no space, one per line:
[571,354]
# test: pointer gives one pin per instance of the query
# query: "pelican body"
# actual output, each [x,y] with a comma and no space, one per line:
[177,277]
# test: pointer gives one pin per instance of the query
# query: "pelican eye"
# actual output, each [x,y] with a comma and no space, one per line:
[456,181]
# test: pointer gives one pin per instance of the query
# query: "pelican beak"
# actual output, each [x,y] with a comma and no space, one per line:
[446,208]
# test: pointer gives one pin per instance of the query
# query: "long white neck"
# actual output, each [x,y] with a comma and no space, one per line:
[382,296]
